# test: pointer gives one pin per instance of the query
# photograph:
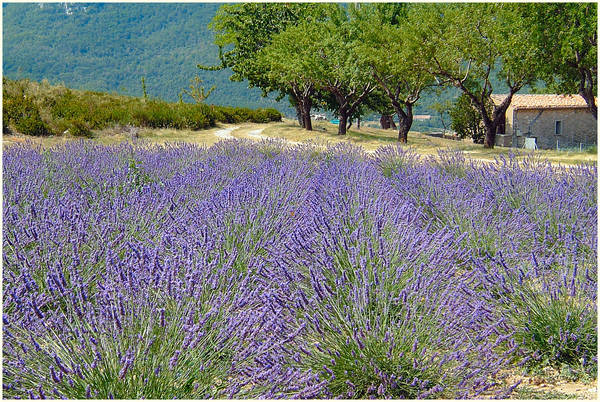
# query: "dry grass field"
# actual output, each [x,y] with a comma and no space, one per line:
[323,133]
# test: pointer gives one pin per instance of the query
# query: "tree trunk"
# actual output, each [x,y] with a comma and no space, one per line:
[392,123]
[587,93]
[387,122]
[343,116]
[592,107]
[306,106]
[358,123]
[349,124]
[403,128]
[586,85]
[299,114]
[405,121]
[490,135]
[498,117]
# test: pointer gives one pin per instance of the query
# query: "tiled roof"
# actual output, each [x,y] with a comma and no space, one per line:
[542,101]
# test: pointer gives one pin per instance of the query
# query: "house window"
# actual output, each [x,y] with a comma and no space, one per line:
[558,127]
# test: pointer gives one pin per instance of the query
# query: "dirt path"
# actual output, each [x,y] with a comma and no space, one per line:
[226,133]
[256,134]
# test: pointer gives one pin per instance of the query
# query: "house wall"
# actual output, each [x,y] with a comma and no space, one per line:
[578,126]
[508,127]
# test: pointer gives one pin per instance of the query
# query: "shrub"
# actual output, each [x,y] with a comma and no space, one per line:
[259,116]
[155,114]
[33,125]
[258,270]
[24,115]
[451,162]
[556,330]
[549,307]
[224,114]
[466,120]
[9,112]
[96,110]
[273,114]
[193,116]
[79,128]
[69,106]
[228,114]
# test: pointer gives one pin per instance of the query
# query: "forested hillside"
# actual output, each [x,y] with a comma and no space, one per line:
[109,47]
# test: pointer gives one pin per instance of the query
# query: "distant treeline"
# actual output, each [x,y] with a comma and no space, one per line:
[109,46]
[42,109]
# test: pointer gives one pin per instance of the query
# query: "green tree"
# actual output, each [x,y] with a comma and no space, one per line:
[567,35]
[340,72]
[290,64]
[243,29]
[388,51]
[466,120]
[462,45]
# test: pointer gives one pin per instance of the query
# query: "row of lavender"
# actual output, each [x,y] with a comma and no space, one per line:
[255,270]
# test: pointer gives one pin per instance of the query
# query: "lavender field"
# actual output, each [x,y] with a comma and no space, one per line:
[260,270]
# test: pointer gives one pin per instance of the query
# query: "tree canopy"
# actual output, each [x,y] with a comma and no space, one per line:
[289,63]
[465,52]
[389,53]
[566,34]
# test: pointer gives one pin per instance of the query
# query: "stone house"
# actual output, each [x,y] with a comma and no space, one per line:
[561,121]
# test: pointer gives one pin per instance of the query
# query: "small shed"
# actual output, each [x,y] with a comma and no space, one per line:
[554,121]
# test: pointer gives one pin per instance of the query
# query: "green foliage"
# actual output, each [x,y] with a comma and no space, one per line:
[272,114]
[466,120]
[229,114]
[322,57]
[196,90]
[467,52]
[160,114]
[79,128]
[388,50]
[155,114]
[542,321]
[246,28]
[442,108]
[20,111]
[96,109]
[80,112]
[567,36]
[109,46]
[93,42]
[291,59]
[32,124]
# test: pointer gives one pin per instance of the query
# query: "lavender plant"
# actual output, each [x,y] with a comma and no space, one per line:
[259,270]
